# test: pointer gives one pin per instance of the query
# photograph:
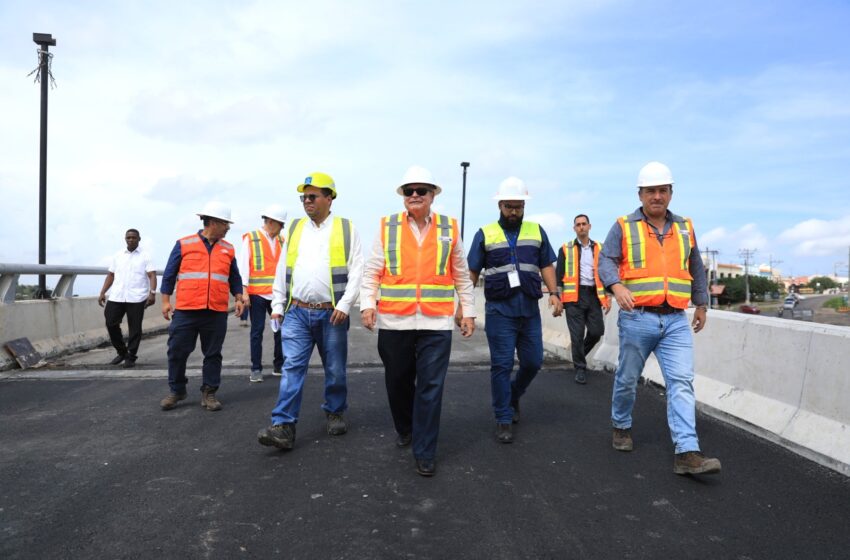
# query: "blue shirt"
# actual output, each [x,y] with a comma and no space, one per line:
[172,267]
[612,254]
[519,304]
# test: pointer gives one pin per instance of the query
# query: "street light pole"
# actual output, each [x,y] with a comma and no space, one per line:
[45,41]
[465,165]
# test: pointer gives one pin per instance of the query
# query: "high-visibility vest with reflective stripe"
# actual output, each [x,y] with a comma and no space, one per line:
[572,274]
[498,263]
[652,271]
[261,263]
[203,278]
[417,276]
[340,249]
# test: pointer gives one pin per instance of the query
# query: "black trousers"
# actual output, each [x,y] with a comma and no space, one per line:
[415,366]
[114,313]
[585,323]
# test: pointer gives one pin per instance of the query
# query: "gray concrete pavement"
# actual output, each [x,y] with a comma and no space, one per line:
[91,468]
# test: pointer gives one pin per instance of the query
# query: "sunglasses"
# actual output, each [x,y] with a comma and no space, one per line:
[310,197]
[421,191]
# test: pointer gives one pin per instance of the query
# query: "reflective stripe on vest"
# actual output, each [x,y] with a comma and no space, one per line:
[499,259]
[340,249]
[656,273]
[261,262]
[572,273]
[203,280]
[428,286]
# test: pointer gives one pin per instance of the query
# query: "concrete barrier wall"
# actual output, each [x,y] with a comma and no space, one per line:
[787,381]
[60,326]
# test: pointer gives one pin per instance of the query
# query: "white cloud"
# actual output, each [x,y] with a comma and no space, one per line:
[729,242]
[819,237]
[550,221]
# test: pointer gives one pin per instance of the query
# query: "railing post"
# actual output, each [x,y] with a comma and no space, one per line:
[65,286]
[8,287]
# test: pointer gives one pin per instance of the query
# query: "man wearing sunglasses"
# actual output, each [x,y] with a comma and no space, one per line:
[317,279]
[203,268]
[416,265]
[516,257]
[651,263]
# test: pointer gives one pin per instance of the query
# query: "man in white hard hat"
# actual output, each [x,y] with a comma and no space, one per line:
[582,294]
[415,266]
[315,285]
[131,283]
[202,271]
[515,256]
[652,265]
[261,250]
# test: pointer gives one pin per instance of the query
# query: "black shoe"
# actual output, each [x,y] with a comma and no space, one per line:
[403,440]
[426,467]
[281,436]
[504,433]
[129,363]
[515,406]
[581,377]
[118,359]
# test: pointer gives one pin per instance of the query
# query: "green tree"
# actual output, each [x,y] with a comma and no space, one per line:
[825,283]
[736,290]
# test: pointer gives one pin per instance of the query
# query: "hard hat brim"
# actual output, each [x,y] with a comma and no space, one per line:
[500,197]
[216,217]
[437,189]
[275,218]
[303,186]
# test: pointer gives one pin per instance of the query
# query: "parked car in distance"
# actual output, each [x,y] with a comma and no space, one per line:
[750,309]
[789,303]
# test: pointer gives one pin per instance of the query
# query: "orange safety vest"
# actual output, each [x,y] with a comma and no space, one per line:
[653,272]
[261,263]
[417,276]
[203,278]
[571,280]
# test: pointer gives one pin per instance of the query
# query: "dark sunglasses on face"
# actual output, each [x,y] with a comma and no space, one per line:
[309,197]
[421,191]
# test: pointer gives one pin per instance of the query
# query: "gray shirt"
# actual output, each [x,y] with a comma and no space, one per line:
[612,254]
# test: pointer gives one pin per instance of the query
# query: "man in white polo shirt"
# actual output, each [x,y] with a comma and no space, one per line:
[131,283]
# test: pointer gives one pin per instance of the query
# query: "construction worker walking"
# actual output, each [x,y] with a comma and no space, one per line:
[261,250]
[582,294]
[652,265]
[202,267]
[315,285]
[515,256]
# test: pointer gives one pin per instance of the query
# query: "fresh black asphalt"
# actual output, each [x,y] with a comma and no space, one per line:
[92,468]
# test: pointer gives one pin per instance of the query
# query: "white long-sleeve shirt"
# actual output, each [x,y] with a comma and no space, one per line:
[372,282]
[311,276]
[244,260]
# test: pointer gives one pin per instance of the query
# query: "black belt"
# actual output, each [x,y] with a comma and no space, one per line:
[588,288]
[308,305]
[660,310]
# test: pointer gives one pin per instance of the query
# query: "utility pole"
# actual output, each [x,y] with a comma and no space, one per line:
[747,254]
[465,165]
[712,273]
[771,262]
[45,41]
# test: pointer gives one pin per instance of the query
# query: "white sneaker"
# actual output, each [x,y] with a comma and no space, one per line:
[256,377]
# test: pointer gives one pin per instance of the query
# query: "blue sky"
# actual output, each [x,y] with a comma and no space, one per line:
[161,106]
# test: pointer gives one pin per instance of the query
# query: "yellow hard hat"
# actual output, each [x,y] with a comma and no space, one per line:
[319,180]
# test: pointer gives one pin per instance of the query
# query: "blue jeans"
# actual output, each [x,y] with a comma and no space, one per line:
[669,337]
[261,309]
[415,366]
[183,333]
[504,335]
[302,330]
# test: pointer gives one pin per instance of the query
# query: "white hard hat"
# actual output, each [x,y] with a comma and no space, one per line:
[275,212]
[654,174]
[512,188]
[418,175]
[216,210]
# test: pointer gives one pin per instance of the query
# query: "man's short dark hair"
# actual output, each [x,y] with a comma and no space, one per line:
[134,230]
[581,216]
[328,192]
[206,220]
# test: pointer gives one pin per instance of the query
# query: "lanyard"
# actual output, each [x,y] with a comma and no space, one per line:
[512,242]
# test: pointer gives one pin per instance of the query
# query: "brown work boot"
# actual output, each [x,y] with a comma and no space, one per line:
[171,400]
[208,399]
[623,439]
[694,462]
[504,434]
[336,424]
[281,436]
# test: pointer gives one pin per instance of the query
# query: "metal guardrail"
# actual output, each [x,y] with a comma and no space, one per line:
[10,272]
